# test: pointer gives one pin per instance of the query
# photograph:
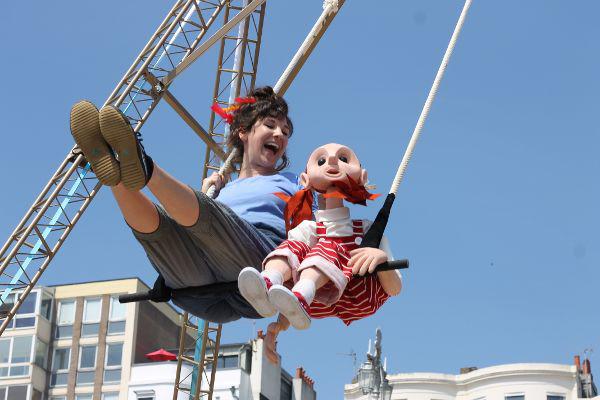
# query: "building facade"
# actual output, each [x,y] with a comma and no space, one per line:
[78,342]
[243,373]
[527,381]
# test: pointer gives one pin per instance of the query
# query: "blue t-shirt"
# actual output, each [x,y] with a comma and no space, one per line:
[254,200]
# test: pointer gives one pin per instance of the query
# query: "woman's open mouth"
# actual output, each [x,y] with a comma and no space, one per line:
[272,147]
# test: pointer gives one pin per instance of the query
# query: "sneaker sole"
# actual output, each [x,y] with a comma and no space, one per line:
[286,302]
[85,128]
[117,132]
[253,288]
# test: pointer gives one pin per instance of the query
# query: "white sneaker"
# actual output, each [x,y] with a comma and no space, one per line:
[253,288]
[289,304]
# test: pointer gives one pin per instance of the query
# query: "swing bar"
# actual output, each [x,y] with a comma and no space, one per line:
[161,293]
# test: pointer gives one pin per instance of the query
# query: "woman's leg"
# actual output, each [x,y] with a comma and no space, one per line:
[178,199]
[137,209]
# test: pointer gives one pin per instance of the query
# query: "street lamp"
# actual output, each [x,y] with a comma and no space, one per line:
[371,376]
[366,376]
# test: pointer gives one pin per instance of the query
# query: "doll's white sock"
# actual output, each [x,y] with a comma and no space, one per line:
[273,275]
[306,288]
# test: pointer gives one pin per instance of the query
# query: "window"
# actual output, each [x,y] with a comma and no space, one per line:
[4,356]
[111,396]
[87,365]
[144,394]
[13,392]
[228,361]
[246,359]
[112,366]
[46,307]
[57,398]
[41,354]
[60,366]
[286,390]
[66,317]
[25,317]
[555,397]
[515,397]
[15,356]
[116,317]
[83,396]
[91,317]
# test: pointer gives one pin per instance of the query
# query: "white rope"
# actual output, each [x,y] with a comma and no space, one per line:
[432,93]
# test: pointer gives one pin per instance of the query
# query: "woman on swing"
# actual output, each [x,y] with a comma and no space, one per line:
[191,239]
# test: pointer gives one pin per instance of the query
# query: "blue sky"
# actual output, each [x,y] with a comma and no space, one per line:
[498,211]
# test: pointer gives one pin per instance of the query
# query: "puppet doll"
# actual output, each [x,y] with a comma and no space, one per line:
[312,273]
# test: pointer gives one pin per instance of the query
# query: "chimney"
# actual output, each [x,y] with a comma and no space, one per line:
[577,361]
[587,369]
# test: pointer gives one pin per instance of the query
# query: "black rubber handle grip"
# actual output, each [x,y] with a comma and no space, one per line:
[391,265]
[133,297]
[387,266]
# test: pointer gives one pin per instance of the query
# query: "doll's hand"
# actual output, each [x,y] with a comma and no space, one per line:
[365,259]
[217,180]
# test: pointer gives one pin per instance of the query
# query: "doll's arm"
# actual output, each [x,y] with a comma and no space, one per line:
[366,259]
[305,232]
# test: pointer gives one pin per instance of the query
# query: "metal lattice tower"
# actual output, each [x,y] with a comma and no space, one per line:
[237,66]
[188,31]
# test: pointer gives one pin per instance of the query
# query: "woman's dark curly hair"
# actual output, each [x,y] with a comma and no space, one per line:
[268,104]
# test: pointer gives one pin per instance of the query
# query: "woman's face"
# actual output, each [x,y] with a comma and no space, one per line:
[265,144]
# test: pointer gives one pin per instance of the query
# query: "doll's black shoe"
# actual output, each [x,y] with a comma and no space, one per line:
[85,128]
[292,305]
[253,287]
[136,165]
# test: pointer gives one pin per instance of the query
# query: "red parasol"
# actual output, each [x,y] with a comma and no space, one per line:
[161,355]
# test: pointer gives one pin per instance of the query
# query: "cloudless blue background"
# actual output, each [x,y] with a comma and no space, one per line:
[498,211]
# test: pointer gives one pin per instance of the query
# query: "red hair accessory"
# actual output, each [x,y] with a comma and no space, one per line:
[227,113]
[298,207]
[351,191]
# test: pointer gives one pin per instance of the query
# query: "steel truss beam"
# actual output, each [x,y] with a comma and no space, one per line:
[46,225]
[243,51]
[225,92]
[199,381]
[237,66]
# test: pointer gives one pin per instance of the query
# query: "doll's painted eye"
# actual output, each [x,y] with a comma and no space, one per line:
[343,159]
[321,161]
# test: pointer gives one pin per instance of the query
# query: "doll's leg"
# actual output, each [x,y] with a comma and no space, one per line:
[254,285]
[295,304]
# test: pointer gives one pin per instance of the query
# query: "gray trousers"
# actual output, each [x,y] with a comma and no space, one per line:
[214,250]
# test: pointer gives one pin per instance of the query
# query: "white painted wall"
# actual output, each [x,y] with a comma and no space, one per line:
[535,381]
[160,377]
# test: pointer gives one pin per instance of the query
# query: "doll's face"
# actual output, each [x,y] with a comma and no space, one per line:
[329,163]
